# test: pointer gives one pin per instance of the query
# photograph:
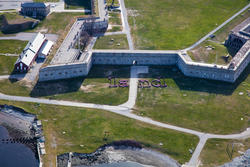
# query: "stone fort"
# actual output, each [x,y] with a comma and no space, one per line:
[70,62]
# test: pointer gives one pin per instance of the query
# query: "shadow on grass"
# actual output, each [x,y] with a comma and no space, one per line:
[196,84]
[103,72]
[75,4]
[50,88]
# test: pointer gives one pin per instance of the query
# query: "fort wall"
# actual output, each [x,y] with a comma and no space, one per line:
[189,68]
[139,58]
[65,71]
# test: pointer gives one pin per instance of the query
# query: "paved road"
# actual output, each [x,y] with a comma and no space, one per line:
[12,4]
[26,36]
[15,76]
[125,24]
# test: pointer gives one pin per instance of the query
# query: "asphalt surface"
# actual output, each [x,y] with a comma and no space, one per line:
[12,4]
[26,36]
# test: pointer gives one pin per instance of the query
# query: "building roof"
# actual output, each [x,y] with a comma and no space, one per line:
[34,5]
[46,47]
[31,49]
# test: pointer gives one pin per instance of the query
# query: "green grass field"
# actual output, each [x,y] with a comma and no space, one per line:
[7,64]
[12,46]
[87,127]
[112,42]
[203,105]
[217,55]
[215,154]
[214,56]
[169,24]
[93,89]
[57,22]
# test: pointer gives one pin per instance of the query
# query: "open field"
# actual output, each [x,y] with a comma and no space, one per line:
[203,105]
[93,89]
[77,4]
[112,42]
[219,53]
[168,24]
[215,154]
[87,127]
[12,46]
[7,64]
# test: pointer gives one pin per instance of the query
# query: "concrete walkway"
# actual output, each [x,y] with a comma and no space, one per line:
[125,24]
[133,85]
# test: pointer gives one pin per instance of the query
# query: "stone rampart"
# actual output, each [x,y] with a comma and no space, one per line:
[65,71]
[137,57]
[126,57]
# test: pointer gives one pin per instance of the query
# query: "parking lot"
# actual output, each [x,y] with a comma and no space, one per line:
[12,4]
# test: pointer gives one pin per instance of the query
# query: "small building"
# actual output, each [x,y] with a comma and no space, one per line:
[36,10]
[31,52]
[45,49]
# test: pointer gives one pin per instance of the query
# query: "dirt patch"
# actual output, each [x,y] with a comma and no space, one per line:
[88,88]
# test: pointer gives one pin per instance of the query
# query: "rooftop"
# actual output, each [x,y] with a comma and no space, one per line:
[67,53]
[31,49]
[34,5]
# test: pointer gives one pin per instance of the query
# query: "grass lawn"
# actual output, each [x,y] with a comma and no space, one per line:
[77,4]
[199,104]
[57,22]
[13,18]
[12,46]
[7,64]
[214,153]
[201,54]
[93,89]
[88,127]
[169,24]
[208,55]
[115,29]
[112,42]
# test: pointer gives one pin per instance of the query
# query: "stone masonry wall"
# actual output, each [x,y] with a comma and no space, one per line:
[64,71]
[139,58]
[192,69]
